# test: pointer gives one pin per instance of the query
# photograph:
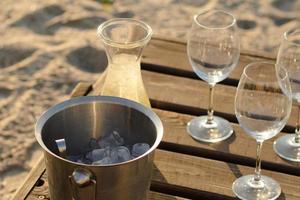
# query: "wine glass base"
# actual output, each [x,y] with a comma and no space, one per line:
[286,148]
[244,188]
[220,129]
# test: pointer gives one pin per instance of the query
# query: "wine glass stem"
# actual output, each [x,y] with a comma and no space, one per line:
[297,132]
[258,162]
[210,110]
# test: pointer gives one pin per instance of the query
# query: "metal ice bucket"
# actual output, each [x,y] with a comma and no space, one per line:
[80,119]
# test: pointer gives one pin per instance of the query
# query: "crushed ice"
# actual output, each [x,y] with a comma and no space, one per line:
[110,149]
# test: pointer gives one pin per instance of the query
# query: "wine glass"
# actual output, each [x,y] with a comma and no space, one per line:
[288,146]
[263,104]
[213,49]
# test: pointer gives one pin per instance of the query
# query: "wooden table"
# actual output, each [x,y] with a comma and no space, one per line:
[185,168]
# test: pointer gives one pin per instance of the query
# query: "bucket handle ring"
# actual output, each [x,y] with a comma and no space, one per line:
[80,181]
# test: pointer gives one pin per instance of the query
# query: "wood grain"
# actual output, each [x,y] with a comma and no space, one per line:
[170,56]
[204,178]
[34,174]
[41,191]
[239,148]
[212,176]
[191,96]
[81,89]
[252,53]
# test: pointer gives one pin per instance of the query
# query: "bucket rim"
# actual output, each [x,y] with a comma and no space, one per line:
[94,99]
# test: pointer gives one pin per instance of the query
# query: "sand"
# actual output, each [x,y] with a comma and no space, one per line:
[46,47]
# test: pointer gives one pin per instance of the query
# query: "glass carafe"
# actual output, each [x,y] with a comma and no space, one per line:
[124,40]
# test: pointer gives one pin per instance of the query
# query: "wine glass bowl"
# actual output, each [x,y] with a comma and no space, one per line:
[288,146]
[213,45]
[213,50]
[262,106]
[259,99]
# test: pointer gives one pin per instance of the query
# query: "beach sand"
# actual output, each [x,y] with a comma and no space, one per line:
[46,47]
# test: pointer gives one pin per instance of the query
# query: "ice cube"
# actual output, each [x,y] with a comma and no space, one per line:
[104,161]
[139,149]
[112,140]
[97,154]
[120,154]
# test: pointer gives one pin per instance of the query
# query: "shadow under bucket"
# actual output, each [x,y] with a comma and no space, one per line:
[80,119]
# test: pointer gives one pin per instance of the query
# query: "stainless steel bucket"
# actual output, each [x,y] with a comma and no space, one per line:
[80,119]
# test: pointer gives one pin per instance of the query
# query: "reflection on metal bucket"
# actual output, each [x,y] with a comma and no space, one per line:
[80,119]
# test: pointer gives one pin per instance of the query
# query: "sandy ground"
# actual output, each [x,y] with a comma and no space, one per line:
[46,47]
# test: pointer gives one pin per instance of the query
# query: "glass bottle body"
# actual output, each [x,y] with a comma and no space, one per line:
[124,79]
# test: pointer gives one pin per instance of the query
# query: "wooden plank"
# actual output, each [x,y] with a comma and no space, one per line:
[161,52]
[240,148]
[161,196]
[169,56]
[40,191]
[212,176]
[81,89]
[164,89]
[195,177]
[191,96]
[256,53]
[35,173]
[180,94]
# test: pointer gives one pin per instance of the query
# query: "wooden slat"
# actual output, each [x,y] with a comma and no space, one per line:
[240,148]
[81,89]
[212,176]
[196,177]
[161,196]
[191,96]
[162,53]
[41,191]
[256,53]
[35,173]
[170,56]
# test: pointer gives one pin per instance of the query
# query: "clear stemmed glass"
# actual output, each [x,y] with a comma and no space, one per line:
[263,104]
[213,49]
[288,146]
